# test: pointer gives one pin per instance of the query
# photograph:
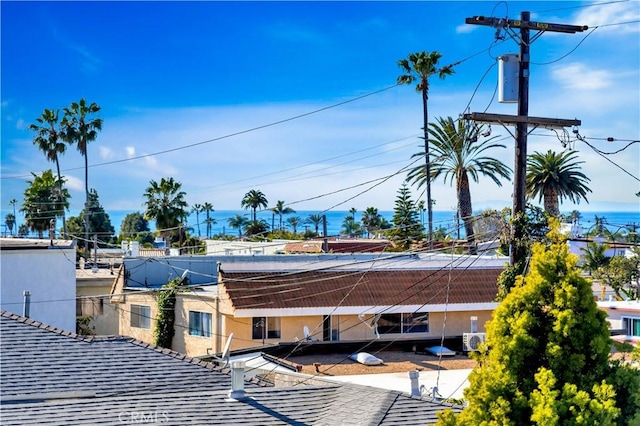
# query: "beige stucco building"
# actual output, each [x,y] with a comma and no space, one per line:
[299,298]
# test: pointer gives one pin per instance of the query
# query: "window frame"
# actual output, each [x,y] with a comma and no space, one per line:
[628,325]
[263,328]
[200,324]
[140,316]
[400,323]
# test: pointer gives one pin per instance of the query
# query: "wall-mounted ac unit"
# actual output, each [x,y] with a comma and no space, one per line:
[471,341]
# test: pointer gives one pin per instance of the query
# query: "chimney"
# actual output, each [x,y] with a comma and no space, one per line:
[415,383]
[237,391]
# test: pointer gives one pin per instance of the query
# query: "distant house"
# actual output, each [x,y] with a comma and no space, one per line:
[52,377]
[624,318]
[39,276]
[326,297]
[93,299]
[240,248]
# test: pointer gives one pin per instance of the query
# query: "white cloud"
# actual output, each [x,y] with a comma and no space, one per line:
[465,29]
[106,153]
[74,183]
[579,76]
[618,12]
[20,124]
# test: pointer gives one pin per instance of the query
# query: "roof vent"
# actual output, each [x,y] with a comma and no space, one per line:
[414,376]
[237,391]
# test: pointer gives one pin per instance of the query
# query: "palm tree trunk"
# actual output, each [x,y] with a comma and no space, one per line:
[64,223]
[466,210]
[427,162]
[551,204]
[86,205]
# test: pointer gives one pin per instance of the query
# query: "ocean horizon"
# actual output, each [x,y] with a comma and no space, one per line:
[615,220]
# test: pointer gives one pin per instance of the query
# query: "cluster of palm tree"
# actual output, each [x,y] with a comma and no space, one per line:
[207,209]
[459,155]
[370,223]
[54,133]
[452,150]
[166,204]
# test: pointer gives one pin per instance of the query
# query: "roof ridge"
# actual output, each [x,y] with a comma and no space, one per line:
[66,333]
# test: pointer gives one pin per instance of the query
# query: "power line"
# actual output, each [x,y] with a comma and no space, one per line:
[583,6]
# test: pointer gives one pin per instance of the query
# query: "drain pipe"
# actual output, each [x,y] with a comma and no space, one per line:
[237,391]
[27,303]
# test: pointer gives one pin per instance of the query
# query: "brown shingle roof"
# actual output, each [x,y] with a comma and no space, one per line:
[361,288]
[338,246]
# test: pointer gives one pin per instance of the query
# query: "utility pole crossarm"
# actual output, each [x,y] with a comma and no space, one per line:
[521,120]
[530,25]
[511,120]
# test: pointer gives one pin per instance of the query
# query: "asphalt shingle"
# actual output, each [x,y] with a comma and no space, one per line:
[55,378]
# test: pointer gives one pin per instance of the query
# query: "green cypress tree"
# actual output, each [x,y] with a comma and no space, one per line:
[546,360]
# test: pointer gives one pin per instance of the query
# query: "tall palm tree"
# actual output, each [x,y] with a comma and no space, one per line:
[552,177]
[459,155]
[13,202]
[197,208]
[10,221]
[79,128]
[210,221]
[315,220]
[281,210]
[371,220]
[254,199]
[238,222]
[165,203]
[208,209]
[294,222]
[49,140]
[419,67]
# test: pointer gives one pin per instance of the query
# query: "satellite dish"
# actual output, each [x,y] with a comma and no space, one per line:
[374,323]
[224,356]
[307,335]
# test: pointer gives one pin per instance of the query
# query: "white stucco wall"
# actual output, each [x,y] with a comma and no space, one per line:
[50,276]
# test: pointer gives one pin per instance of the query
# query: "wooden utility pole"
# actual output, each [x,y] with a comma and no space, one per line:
[522,120]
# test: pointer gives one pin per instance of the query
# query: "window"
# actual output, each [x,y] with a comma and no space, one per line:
[140,316]
[417,322]
[265,328]
[199,324]
[632,326]
[89,306]
[390,323]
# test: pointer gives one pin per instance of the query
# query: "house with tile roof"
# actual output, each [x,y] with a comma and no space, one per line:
[624,319]
[53,377]
[266,300]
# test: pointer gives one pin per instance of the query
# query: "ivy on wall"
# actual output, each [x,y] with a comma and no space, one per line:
[165,319]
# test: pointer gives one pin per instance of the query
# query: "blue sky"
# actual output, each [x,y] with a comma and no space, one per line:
[251,95]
